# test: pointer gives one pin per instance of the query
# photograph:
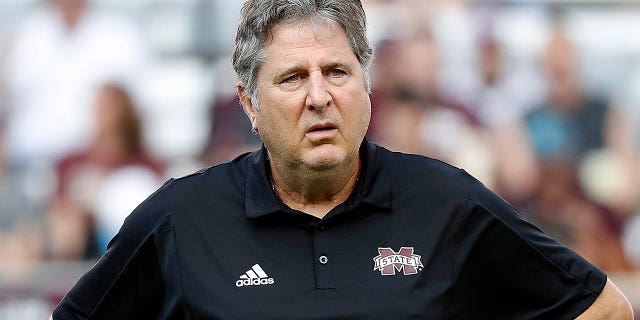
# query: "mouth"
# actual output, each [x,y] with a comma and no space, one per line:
[322,133]
[322,127]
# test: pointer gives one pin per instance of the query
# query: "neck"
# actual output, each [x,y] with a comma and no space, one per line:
[312,192]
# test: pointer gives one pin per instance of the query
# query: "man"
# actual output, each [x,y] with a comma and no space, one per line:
[320,223]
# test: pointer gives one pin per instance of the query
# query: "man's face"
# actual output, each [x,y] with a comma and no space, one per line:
[314,107]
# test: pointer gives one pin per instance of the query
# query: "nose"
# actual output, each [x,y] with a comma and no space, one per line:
[318,96]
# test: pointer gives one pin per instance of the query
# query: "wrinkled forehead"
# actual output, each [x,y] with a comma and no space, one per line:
[317,24]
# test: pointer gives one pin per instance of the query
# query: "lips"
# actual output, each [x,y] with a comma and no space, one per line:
[322,127]
[322,133]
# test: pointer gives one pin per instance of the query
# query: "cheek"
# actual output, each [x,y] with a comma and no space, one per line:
[274,123]
[359,110]
[285,115]
[365,118]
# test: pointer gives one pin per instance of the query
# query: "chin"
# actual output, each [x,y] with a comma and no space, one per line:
[325,158]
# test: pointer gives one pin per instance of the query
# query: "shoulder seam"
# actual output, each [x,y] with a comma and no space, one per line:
[175,241]
[199,172]
[453,260]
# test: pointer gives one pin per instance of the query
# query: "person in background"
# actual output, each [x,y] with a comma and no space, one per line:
[410,114]
[623,139]
[21,241]
[500,117]
[117,144]
[59,56]
[559,135]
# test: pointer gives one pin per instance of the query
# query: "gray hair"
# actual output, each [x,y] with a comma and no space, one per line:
[260,17]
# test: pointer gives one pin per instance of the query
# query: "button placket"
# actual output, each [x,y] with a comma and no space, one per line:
[324,275]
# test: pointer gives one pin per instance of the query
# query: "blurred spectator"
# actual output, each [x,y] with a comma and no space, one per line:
[493,107]
[61,53]
[20,226]
[499,115]
[410,114]
[623,128]
[570,123]
[120,192]
[564,128]
[81,177]
[623,133]
[559,134]
[416,78]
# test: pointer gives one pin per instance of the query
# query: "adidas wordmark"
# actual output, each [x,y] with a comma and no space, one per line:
[254,277]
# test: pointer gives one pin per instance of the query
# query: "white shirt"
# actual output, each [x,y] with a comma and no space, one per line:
[52,75]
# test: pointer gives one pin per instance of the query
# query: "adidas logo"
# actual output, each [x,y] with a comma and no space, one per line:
[254,277]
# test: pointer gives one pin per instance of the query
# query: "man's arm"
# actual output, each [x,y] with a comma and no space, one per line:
[611,304]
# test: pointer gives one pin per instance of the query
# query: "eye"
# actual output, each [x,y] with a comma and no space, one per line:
[292,78]
[336,72]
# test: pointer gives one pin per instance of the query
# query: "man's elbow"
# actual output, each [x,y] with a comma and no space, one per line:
[619,306]
[621,311]
[624,310]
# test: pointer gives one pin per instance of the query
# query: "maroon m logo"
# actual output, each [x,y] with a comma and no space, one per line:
[388,261]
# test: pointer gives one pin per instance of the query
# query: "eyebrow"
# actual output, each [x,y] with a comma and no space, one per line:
[290,70]
[301,68]
[336,64]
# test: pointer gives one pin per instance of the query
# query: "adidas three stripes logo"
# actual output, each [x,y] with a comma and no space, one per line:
[254,277]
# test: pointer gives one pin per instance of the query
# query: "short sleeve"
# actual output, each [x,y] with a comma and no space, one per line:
[506,268]
[127,281]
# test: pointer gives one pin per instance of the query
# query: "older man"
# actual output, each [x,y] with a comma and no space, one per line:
[322,224]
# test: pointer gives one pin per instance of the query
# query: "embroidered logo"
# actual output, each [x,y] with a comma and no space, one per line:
[254,277]
[388,261]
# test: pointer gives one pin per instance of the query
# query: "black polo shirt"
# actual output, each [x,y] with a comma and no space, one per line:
[417,239]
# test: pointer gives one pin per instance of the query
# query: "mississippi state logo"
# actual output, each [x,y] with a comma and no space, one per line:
[388,261]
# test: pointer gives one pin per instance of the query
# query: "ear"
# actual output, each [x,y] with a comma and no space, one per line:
[247,106]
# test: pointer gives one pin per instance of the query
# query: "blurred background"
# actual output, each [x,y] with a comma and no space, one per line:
[101,101]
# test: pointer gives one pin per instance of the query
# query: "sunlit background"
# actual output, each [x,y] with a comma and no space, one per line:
[101,101]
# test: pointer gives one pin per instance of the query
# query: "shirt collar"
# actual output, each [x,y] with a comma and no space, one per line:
[374,180]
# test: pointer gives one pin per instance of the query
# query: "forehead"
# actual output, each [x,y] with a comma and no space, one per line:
[287,39]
